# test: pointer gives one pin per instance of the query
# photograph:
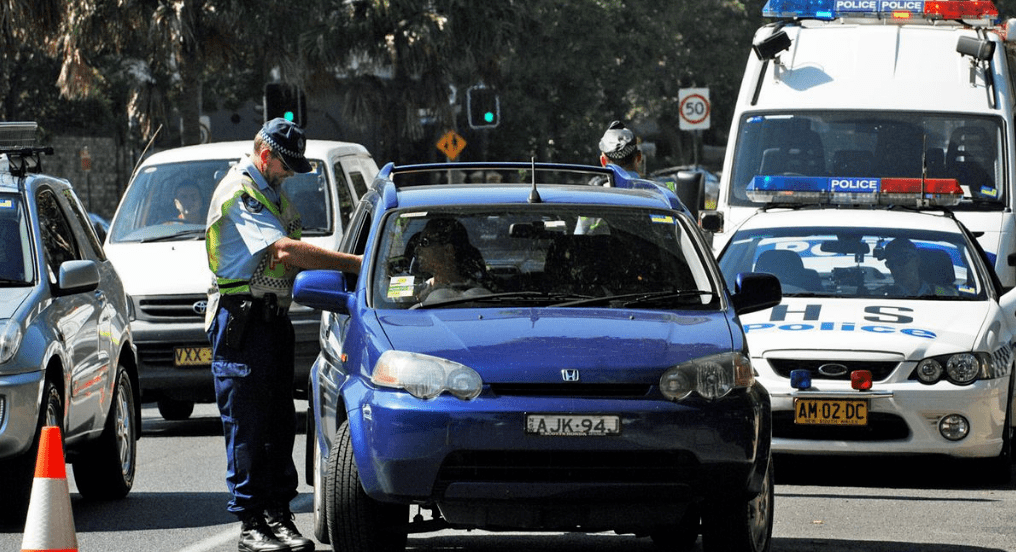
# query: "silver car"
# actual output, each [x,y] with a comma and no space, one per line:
[67,358]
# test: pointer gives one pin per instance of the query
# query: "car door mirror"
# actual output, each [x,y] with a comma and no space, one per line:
[755,291]
[77,277]
[322,289]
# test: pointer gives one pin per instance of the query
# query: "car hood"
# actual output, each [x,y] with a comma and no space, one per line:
[911,328]
[534,345]
[162,268]
[11,298]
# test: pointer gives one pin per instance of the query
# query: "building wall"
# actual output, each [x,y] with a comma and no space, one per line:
[101,187]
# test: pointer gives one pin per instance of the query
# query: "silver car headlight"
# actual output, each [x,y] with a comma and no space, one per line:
[712,377]
[959,368]
[10,339]
[425,376]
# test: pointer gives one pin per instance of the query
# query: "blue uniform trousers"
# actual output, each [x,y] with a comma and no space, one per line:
[254,391]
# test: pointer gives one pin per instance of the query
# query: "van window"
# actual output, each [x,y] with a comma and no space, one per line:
[346,201]
[874,144]
[312,196]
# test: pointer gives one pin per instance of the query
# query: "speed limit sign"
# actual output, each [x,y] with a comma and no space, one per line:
[695,108]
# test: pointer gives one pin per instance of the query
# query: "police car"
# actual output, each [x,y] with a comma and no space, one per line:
[583,371]
[894,335]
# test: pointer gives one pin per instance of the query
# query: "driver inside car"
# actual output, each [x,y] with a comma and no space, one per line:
[455,265]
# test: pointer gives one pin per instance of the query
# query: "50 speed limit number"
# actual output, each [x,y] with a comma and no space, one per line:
[694,108]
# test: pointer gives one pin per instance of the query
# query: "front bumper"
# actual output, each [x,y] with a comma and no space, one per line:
[161,377]
[904,419]
[19,395]
[475,461]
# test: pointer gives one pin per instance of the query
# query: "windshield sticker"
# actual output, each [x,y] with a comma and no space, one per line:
[661,219]
[401,286]
[989,191]
[6,204]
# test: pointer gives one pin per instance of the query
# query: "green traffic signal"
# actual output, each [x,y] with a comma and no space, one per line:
[488,116]
[289,116]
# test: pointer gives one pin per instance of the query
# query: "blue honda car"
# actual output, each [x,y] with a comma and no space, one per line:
[534,354]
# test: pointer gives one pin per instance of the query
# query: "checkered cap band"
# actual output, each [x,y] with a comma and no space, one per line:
[276,147]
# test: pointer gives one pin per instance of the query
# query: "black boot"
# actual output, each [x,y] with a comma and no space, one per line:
[280,521]
[256,536]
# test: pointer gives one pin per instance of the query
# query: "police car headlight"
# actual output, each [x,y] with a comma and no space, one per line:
[963,368]
[425,376]
[711,377]
[929,371]
[10,339]
[958,368]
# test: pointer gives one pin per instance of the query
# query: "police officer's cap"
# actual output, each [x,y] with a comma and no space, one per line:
[618,142]
[286,139]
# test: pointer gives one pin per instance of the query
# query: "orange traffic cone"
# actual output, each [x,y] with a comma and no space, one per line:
[50,523]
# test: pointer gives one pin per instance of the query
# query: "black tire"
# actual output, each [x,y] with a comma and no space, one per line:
[17,473]
[105,470]
[174,410]
[741,525]
[681,536]
[998,470]
[356,522]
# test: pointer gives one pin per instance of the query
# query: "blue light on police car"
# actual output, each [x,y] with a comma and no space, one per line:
[800,379]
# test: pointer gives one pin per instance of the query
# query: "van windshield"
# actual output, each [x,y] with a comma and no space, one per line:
[874,145]
[169,201]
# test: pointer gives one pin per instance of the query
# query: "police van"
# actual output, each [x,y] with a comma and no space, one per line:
[870,90]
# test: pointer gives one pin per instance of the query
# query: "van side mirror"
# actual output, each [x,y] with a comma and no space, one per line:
[711,221]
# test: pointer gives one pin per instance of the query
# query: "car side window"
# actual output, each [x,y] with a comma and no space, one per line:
[57,237]
[346,201]
[355,239]
[85,225]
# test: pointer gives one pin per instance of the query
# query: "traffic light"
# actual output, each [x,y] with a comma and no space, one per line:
[483,106]
[287,101]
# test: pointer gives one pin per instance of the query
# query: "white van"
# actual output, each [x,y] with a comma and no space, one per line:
[156,242]
[896,92]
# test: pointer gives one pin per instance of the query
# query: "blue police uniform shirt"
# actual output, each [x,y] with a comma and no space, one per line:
[252,228]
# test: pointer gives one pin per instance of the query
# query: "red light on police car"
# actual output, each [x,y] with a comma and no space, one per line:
[962,9]
[860,380]
[914,186]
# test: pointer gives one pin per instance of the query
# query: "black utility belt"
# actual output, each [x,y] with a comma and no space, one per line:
[263,307]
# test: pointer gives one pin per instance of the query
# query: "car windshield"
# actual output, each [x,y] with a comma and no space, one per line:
[874,145]
[858,262]
[16,266]
[540,255]
[170,201]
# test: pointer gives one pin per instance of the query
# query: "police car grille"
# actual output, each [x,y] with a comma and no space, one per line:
[879,370]
[592,390]
[169,307]
[881,427]
[567,466]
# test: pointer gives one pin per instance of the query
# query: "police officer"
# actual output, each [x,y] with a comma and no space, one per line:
[620,147]
[254,250]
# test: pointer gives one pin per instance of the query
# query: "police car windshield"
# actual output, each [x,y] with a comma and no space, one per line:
[874,145]
[535,255]
[859,262]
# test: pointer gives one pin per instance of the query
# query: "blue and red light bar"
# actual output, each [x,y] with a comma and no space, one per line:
[970,11]
[938,192]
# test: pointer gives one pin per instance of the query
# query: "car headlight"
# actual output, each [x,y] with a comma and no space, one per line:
[957,368]
[425,376]
[712,377]
[10,339]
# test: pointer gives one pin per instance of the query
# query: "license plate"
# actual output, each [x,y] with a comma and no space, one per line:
[840,412]
[581,425]
[192,356]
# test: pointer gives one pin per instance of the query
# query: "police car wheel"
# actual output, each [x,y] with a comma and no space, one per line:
[106,470]
[356,522]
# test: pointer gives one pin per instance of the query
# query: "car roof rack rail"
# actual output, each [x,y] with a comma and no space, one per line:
[17,143]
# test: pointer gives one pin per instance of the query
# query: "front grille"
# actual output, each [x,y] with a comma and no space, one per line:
[567,466]
[177,308]
[585,390]
[881,427]
[879,370]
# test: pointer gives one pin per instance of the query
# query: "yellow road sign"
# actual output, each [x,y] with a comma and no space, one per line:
[451,144]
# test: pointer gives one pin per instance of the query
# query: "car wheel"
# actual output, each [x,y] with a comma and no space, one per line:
[681,536]
[106,468]
[174,410]
[17,473]
[741,525]
[356,522]
[316,479]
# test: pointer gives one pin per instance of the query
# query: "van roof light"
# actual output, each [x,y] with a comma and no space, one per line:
[974,12]
[808,190]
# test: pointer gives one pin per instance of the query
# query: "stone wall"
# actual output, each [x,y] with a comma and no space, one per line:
[101,187]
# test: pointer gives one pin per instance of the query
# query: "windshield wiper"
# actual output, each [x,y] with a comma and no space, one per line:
[629,299]
[506,297]
[192,234]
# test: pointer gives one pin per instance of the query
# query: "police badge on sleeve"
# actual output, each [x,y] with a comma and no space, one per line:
[251,203]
